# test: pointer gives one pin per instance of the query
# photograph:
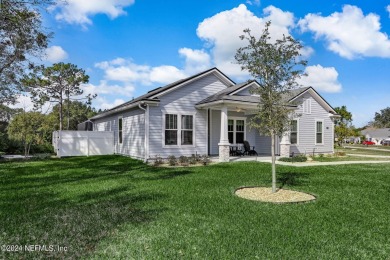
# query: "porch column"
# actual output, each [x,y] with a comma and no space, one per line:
[285,145]
[224,139]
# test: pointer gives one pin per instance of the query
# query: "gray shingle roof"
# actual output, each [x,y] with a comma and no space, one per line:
[147,96]
[224,94]
[381,133]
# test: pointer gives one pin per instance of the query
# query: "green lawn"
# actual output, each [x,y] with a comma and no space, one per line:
[370,150]
[116,207]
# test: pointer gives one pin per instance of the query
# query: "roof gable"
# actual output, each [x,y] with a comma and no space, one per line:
[153,95]
[296,93]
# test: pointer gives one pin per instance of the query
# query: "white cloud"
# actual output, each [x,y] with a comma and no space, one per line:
[126,71]
[306,52]
[166,74]
[24,101]
[195,60]
[321,78]
[253,2]
[56,54]
[221,33]
[350,33]
[80,11]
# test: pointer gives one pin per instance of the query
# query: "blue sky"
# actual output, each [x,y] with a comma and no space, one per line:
[129,47]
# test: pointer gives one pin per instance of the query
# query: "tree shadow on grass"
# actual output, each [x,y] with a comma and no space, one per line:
[288,179]
[76,203]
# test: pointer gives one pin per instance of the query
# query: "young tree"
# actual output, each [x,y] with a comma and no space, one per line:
[22,38]
[276,65]
[27,127]
[343,127]
[56,84]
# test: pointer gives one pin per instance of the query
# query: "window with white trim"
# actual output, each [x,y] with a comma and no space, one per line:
[319,132]
[236,131]
[171,129]
[187,129]
[120,130]
[294,132]
[179,129]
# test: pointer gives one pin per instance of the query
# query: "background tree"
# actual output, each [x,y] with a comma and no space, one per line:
[22,38]
[6,114]
[28,128]
[343,125]
[276,65]
[76,113]
[381,119]
[56,84]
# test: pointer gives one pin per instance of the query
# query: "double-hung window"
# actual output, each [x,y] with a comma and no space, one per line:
[171,129]
[179,129]
[187,129]
[236,131]
[294,132]
[319,132]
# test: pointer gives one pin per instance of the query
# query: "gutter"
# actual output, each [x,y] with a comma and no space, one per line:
[146,123]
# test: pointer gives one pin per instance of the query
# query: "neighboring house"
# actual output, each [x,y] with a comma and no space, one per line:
[376,135]
[208,112]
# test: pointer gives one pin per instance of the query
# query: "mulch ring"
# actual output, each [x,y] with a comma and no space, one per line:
[265,194]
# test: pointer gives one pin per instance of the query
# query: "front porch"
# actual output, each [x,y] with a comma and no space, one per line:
[228,126]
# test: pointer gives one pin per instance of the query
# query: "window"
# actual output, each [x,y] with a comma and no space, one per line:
[294,132]
[236,131]
[170,129]
[120,130]
[179,129]
[240,128]
[319,132]
[186,129]
[307,106]
[231,130]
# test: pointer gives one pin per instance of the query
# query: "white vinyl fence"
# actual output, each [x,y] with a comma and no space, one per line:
[83,143]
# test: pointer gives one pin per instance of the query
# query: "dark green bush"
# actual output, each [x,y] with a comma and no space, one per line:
[172,161]
[158,160]
[298,158]
[205,160]
[183,160]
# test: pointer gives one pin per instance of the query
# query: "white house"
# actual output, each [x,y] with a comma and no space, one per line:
[206,114]
[376,135]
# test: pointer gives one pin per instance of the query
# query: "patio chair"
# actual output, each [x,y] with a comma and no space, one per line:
[249,150]
[234,151]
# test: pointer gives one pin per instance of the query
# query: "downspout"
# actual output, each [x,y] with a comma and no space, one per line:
[146,124]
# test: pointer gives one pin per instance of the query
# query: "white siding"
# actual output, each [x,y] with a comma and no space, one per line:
[307,132]
[133,143]
[183,100]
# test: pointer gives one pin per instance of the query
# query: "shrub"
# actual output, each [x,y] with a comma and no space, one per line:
[205,160]
[1,154]
[158,160]
[183,160]
[172,161]
[193,159]
[298,158]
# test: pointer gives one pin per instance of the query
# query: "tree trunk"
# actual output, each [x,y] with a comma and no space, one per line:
[68,112]
[60,111]
[273,163]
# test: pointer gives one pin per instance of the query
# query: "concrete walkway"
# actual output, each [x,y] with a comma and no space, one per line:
[368,148]
[268,159]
